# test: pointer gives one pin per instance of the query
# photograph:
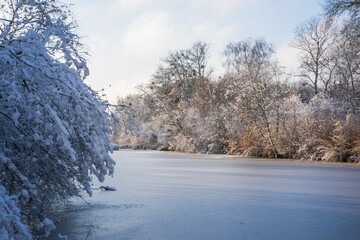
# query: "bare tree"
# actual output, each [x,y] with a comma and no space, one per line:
[314,39]
[186,67]
[338,7]
[347,70]
[247,55]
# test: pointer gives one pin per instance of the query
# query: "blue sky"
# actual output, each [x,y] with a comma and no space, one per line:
[127,38]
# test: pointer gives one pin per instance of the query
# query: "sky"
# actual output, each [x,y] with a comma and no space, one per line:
[128,38]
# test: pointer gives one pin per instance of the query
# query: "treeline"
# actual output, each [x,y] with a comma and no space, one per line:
[256,108]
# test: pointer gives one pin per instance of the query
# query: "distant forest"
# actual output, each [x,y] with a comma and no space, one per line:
[256,108]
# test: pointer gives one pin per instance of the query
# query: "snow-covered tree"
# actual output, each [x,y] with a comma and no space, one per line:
[54,131]
[252,109]
[253,87]
[168,95]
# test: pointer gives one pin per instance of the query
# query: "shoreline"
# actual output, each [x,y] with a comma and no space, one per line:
[300,162]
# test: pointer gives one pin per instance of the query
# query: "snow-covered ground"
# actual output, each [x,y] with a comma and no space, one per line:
[165,195]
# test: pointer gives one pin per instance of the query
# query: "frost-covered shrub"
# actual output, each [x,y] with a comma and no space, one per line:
[251,145]
[146,136]
[355,152]
[182,143]
[214,148]
[152,136]
[323,114]
[343,144]
[293,128]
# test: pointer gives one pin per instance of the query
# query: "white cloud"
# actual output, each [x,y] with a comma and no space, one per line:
[127,38]
[129,57]
[138,51]
[152,33]
[221,6]
[288,57]
[131,3]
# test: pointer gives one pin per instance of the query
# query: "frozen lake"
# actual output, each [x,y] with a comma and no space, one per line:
[165,195]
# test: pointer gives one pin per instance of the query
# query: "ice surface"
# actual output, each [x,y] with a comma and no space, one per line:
[165,195]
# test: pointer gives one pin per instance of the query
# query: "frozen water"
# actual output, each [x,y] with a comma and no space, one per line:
[165,195]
